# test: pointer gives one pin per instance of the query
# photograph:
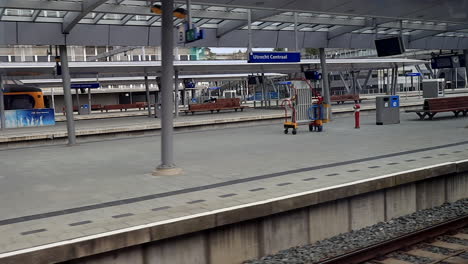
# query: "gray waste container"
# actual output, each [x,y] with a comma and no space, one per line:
[84,110]
[433,88]
[387,109]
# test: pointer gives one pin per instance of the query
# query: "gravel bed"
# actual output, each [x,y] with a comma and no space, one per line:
[450,239]
[353,240]
[438,250]
[464,255]
[410,258]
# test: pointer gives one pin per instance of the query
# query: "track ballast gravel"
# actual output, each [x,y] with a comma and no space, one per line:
[365,237]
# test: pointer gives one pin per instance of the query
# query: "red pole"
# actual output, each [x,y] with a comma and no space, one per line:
[356,108]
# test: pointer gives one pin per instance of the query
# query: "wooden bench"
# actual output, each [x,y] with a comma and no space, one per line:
[347,97]
[220,104]
[431,107]
[121,107]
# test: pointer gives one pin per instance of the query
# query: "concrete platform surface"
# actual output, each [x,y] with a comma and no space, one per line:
[111,123]
[57,193]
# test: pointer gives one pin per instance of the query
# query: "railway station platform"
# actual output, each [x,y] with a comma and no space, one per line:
[244,192]
[121,124]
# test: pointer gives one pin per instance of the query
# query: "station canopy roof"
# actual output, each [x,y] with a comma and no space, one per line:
[322,23]
[114,69]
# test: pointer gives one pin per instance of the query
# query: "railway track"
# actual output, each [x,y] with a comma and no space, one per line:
[387,252]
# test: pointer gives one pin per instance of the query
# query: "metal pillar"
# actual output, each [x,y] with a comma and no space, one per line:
[296,41]
[388,87]
[89,101]
[249,26]
[406,85]
[167,166]
[67,95]
[2,106]
[189,13]
[456,80]
[176,93]
[78,100]
[326,83]
[395,81]
[148,97]
[465,52]
[53,99]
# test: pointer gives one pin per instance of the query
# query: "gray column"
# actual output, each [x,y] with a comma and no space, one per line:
[176,93]
[90,101]
[2,106]
[249,30]
[465,52]
[167,166]
[189,13]
[296,41]
[53,99]
[67,95]
[148,98]
[326,83]
[77,100]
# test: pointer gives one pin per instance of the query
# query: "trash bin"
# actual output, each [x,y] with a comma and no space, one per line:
[84,110]
[157,110]
[433,88]
[387,109]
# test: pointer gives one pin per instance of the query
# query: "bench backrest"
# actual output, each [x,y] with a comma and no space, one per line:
[124,106]
[220,103]
[446,103]
[344,97]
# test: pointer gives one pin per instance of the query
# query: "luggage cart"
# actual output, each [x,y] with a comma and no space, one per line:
[305,105]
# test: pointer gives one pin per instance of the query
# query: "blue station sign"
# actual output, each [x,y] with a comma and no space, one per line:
[85,85]
[413,74]
[274,57]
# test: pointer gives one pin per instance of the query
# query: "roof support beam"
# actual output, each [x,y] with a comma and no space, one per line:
[126,19]
[201,22]
[373,22]
[342,31]
[426,34]
[264,25]
[301,26]
[233,25]
[152,20]
[429,68]
[35,15]
[284,25]
[97,18]
[111,53]
[72,18]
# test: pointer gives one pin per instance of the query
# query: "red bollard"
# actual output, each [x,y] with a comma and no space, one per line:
[356,108]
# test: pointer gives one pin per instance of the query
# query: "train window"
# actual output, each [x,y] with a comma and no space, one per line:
[21,101]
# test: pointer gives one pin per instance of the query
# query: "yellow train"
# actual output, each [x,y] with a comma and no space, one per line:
[23,97]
